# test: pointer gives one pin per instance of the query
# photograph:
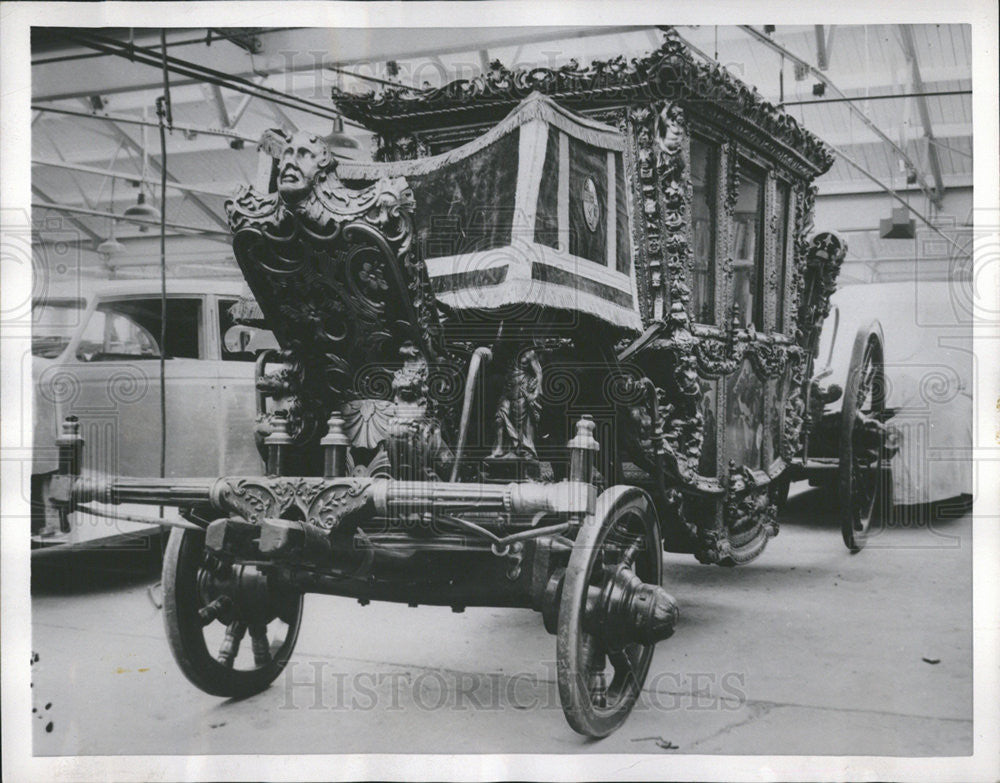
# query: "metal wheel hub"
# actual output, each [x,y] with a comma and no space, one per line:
[235,593]
[627,610]
[622,611]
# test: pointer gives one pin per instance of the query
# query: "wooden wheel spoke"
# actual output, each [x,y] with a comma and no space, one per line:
[625,663]
[867,378]
[628,665]
[596,683]
[231,643]
[260,645]
[630,553]
[599,678]
[210,613]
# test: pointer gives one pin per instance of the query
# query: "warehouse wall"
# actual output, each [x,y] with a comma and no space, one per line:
[856,216]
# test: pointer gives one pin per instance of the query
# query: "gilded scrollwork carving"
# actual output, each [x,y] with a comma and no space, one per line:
[794,413]
[824,257]
[257,498]
[641,132]
[310,191]
[768,359]
[366,421]
[251,499]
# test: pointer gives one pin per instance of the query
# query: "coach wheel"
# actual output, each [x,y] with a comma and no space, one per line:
[210,607]
[859,473]
[612,611]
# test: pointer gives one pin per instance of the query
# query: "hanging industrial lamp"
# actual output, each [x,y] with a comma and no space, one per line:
[899,225]
[111,246]
[141,209]
[338,141]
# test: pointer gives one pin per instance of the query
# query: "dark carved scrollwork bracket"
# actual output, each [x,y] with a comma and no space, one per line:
[326,503]
[335,270]
[721,355]
[749,520]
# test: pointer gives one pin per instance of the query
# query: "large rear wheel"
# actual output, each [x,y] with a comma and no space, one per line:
[859,474]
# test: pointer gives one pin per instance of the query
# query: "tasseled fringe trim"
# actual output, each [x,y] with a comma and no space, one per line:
[535,292]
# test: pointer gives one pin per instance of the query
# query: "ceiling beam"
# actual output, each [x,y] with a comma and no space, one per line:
[281,116]
[76,180]
[124,176]
[821,53]
[314,49]
[848,137]
[244,103]
[838,187]
[220,106]
[760,37]
[71,210]
[934,161]
[829,43]
[91,234]
[124,120]
[207,210]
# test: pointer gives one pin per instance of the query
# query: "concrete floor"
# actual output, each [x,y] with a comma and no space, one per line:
[808,650]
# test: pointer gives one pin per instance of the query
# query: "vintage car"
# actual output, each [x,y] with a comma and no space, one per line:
[95,356]
[928,368]
[567,318]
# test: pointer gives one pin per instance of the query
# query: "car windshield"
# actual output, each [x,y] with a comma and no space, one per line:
[53,322]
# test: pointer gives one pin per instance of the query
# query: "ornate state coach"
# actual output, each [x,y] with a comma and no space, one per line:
[565,319]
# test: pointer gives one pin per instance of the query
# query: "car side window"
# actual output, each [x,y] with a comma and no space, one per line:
[234,339]
[130,329]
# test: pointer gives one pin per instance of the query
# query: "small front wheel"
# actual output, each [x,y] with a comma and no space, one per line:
[612,612]
[208,609]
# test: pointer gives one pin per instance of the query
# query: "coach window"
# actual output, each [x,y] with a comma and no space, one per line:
[748,246]
[704,159]
[781,247]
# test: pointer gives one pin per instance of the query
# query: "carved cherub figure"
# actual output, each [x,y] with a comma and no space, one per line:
[669,132]
[519,409]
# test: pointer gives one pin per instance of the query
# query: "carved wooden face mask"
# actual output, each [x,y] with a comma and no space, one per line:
[302,159]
